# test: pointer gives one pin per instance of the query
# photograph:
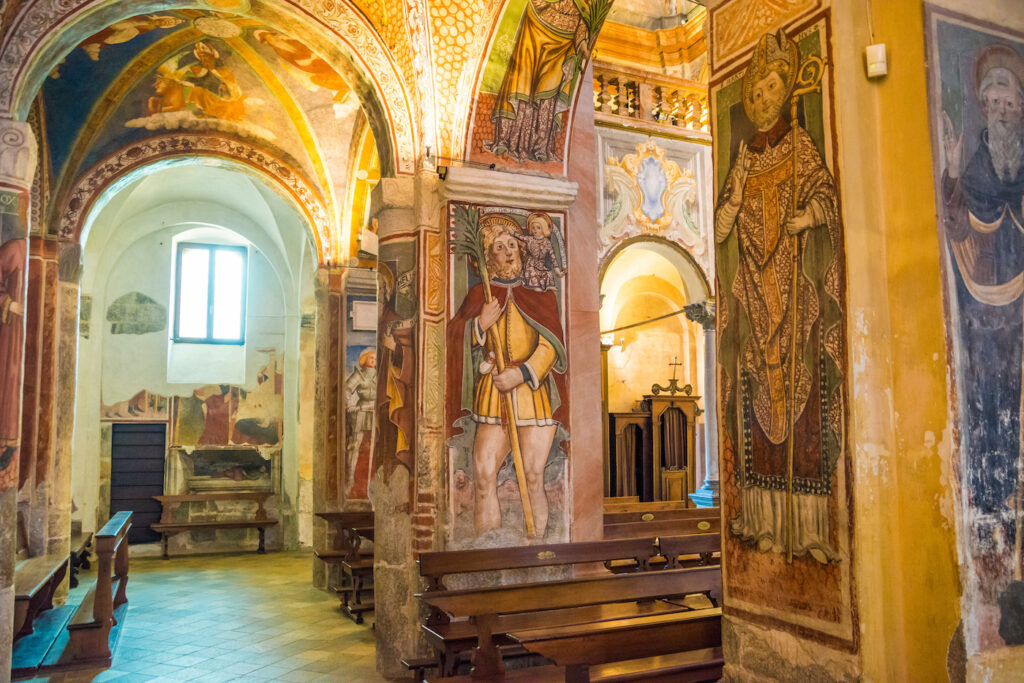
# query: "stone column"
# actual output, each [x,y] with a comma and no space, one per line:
[395,579]
[69,273]
[17,165]
[707,495]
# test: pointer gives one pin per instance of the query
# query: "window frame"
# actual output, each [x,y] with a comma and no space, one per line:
[211,250]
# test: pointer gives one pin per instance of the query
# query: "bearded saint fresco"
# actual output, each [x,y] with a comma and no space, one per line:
[983,219]
[780,276]
[522,322]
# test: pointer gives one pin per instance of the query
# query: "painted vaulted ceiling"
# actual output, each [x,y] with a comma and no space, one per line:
[491,81]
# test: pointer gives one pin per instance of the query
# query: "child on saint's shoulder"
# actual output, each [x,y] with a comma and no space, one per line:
[541,262]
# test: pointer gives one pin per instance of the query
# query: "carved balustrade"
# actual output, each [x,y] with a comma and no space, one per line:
[623,93]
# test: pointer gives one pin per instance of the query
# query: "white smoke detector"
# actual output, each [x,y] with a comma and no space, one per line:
[874,56]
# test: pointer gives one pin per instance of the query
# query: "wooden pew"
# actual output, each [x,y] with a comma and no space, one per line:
[654,627]
[452,639]
[667,523]
[35,581]
[678,550]
[101,609]
[168,526]
[349,551]
[79,556]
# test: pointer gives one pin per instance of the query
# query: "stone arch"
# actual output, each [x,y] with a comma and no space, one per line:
[121,168]
[44,31]
[693,275]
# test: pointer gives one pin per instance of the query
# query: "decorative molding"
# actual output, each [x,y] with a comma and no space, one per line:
[39,22]
[483,186]
[116,168]
[18,154]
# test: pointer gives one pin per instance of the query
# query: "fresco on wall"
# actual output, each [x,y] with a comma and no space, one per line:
[781,320]
[224,414]
[976,89]
[529,82]
[360,401]
[12,321]
[395,405]
[507,403]
[144,406]
[194,71]
[136,313]
[648,193]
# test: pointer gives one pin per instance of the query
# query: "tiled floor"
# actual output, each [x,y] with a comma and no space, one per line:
[233,618]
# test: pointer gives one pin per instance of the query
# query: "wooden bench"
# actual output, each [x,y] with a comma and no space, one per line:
[633,524]
[79,556]
[106,601]
[350,530]
[35,582]
[540,617]
[168,526]
[453,640]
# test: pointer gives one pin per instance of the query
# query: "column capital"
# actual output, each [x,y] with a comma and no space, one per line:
[18,153]
[703,313]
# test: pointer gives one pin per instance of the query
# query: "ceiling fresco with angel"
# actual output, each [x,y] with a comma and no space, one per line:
[194,71]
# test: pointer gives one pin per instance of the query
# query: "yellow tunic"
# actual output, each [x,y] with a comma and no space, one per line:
[523,347]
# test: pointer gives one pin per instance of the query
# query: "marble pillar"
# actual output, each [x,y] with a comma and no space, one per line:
[17,164]
[707,495]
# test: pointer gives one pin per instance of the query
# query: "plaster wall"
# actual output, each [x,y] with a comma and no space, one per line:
[134,254]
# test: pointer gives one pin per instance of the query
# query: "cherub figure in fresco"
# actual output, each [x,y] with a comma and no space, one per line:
[543,260]
[125,30]
[781,345]
[551,44]
[202,87]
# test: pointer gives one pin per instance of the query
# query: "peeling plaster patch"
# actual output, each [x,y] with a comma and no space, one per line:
[929,439]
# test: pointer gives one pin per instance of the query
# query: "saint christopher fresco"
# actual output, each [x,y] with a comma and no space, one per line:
[781,317]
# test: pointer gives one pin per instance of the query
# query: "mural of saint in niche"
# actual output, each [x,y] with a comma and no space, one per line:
[780,270]
[12,337]
[978,113]
[360,397]
[506,382]
[551,45]
[396,358]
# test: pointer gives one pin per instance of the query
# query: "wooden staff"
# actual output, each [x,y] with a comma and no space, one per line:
[809,80]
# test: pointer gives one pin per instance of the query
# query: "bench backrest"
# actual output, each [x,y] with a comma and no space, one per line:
[659,515]
[356,519]
[257,496]
[169,503]
[615,505]
[551,595]
[436,565]
[114,532]
[668,527]
[690,544]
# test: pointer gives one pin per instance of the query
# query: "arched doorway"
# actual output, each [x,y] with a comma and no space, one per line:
[653,365]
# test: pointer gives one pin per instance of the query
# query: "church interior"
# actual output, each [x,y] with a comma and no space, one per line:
[568,340]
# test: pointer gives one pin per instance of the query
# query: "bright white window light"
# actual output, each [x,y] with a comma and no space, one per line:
[210,294]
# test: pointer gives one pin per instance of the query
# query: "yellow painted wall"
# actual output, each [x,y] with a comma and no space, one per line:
[905,543]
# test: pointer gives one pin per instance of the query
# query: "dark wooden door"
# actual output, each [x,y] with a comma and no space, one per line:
[137,453]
